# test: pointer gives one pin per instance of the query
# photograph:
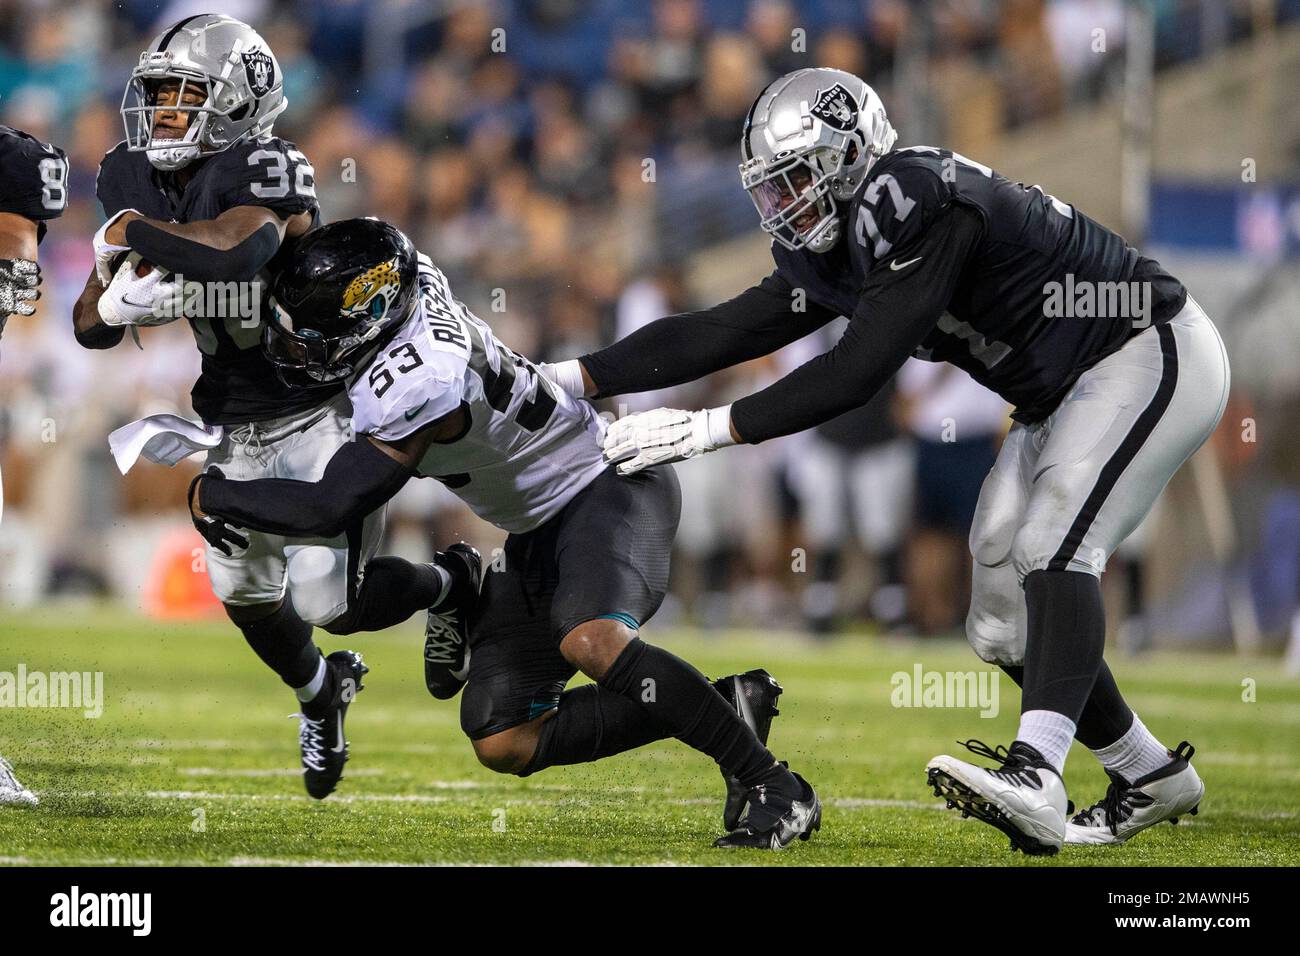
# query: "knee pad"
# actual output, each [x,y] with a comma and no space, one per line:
[996,623]
[318,584]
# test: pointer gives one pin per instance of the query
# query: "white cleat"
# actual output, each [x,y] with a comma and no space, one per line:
[1129,808]
[1024,797]
[11,791]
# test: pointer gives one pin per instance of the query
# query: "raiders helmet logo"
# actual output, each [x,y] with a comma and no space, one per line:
[260,70]
[835,107]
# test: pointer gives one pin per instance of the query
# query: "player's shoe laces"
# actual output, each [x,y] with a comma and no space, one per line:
[321,739]
[753,696]
[774,817]
[1024,797]
[11,791]
[1129,808]
[446,632]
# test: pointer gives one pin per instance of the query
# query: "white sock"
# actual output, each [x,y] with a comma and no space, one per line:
[445,577]
[1049,733]
[1134,755]
[309,690]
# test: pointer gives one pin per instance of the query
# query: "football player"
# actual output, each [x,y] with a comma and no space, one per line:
[33,190]
[435,394]
[1116,375]
[203,190]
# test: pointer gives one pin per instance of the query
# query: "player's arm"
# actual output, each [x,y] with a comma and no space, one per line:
[232,247]
[361,477]
[897,308]
[681,348]
[90,330]
[17,237]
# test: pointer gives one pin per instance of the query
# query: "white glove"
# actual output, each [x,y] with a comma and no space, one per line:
[665,435]
[18,292]
[106,252]
[567,375]
[132,300]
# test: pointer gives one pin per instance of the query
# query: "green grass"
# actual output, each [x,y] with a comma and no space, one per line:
[193,722]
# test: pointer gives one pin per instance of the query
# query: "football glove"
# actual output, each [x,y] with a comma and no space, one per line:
[18,281]
[134,300]
[216,531]
[106,252]
[665,435]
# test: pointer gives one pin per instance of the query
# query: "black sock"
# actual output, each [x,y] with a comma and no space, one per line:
[681,699]
[283,641]
[591,723]
[1105,718]
[392,590]
[1067,635]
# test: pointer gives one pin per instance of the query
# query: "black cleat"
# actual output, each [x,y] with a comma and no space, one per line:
[753,696]
[446,631]
[321,740]
[774,818]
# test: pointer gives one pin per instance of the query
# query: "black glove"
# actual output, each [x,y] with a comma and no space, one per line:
[215,531]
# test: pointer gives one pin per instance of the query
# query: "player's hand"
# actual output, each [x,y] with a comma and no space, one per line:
[18,281]
[131,299]
[215,531]
[665,435]
[105,251]
[567,375]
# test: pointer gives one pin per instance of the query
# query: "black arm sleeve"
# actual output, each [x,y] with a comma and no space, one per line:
[681,348]
[357,480]
[202,263]
[897,309]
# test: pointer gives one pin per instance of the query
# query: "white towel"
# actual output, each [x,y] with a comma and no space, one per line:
[164,439]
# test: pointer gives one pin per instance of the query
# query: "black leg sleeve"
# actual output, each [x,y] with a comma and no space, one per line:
[1067,635]
[391,591]
[591,723]
[283,641]
[682,700]
[1105,718]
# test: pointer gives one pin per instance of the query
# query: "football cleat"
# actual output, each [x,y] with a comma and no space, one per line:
[321,739]
[446,632]
[1024,797]
[11,791]
[753,696]
[773,819]
[1129,808]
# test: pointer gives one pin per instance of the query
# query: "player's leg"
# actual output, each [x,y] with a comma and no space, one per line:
[614,542]
[1118,437]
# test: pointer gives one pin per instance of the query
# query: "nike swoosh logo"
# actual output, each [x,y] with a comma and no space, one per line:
[137,305]
[896,265]
[342,743]
[411,413]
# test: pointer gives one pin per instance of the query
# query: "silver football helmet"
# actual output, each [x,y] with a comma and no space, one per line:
[809,140]
[232,68]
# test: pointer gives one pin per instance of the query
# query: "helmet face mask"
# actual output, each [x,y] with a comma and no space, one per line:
[808,143]
[239,74]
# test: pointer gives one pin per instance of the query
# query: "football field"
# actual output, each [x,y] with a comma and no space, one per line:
[194,761]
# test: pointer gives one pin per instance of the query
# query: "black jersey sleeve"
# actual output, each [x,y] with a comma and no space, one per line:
[897,206]
[115,181]
[33,177]
[683,347]
[901,302]
[272,172]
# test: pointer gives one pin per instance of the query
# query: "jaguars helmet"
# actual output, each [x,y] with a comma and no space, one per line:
[230,63]
[345,292]
[808,142]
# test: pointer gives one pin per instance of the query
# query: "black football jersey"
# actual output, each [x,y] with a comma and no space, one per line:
[237,384]
[33,178]
[1011,321]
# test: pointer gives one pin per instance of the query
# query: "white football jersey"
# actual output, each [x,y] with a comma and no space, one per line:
[529,447]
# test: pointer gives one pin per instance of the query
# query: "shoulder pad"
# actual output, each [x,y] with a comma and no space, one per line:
[899,199]
[33,176]
[269,172]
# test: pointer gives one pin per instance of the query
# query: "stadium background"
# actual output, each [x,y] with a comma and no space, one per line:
[582,181]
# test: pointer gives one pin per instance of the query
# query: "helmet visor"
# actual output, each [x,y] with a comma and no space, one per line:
[792,198]
[303,358]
